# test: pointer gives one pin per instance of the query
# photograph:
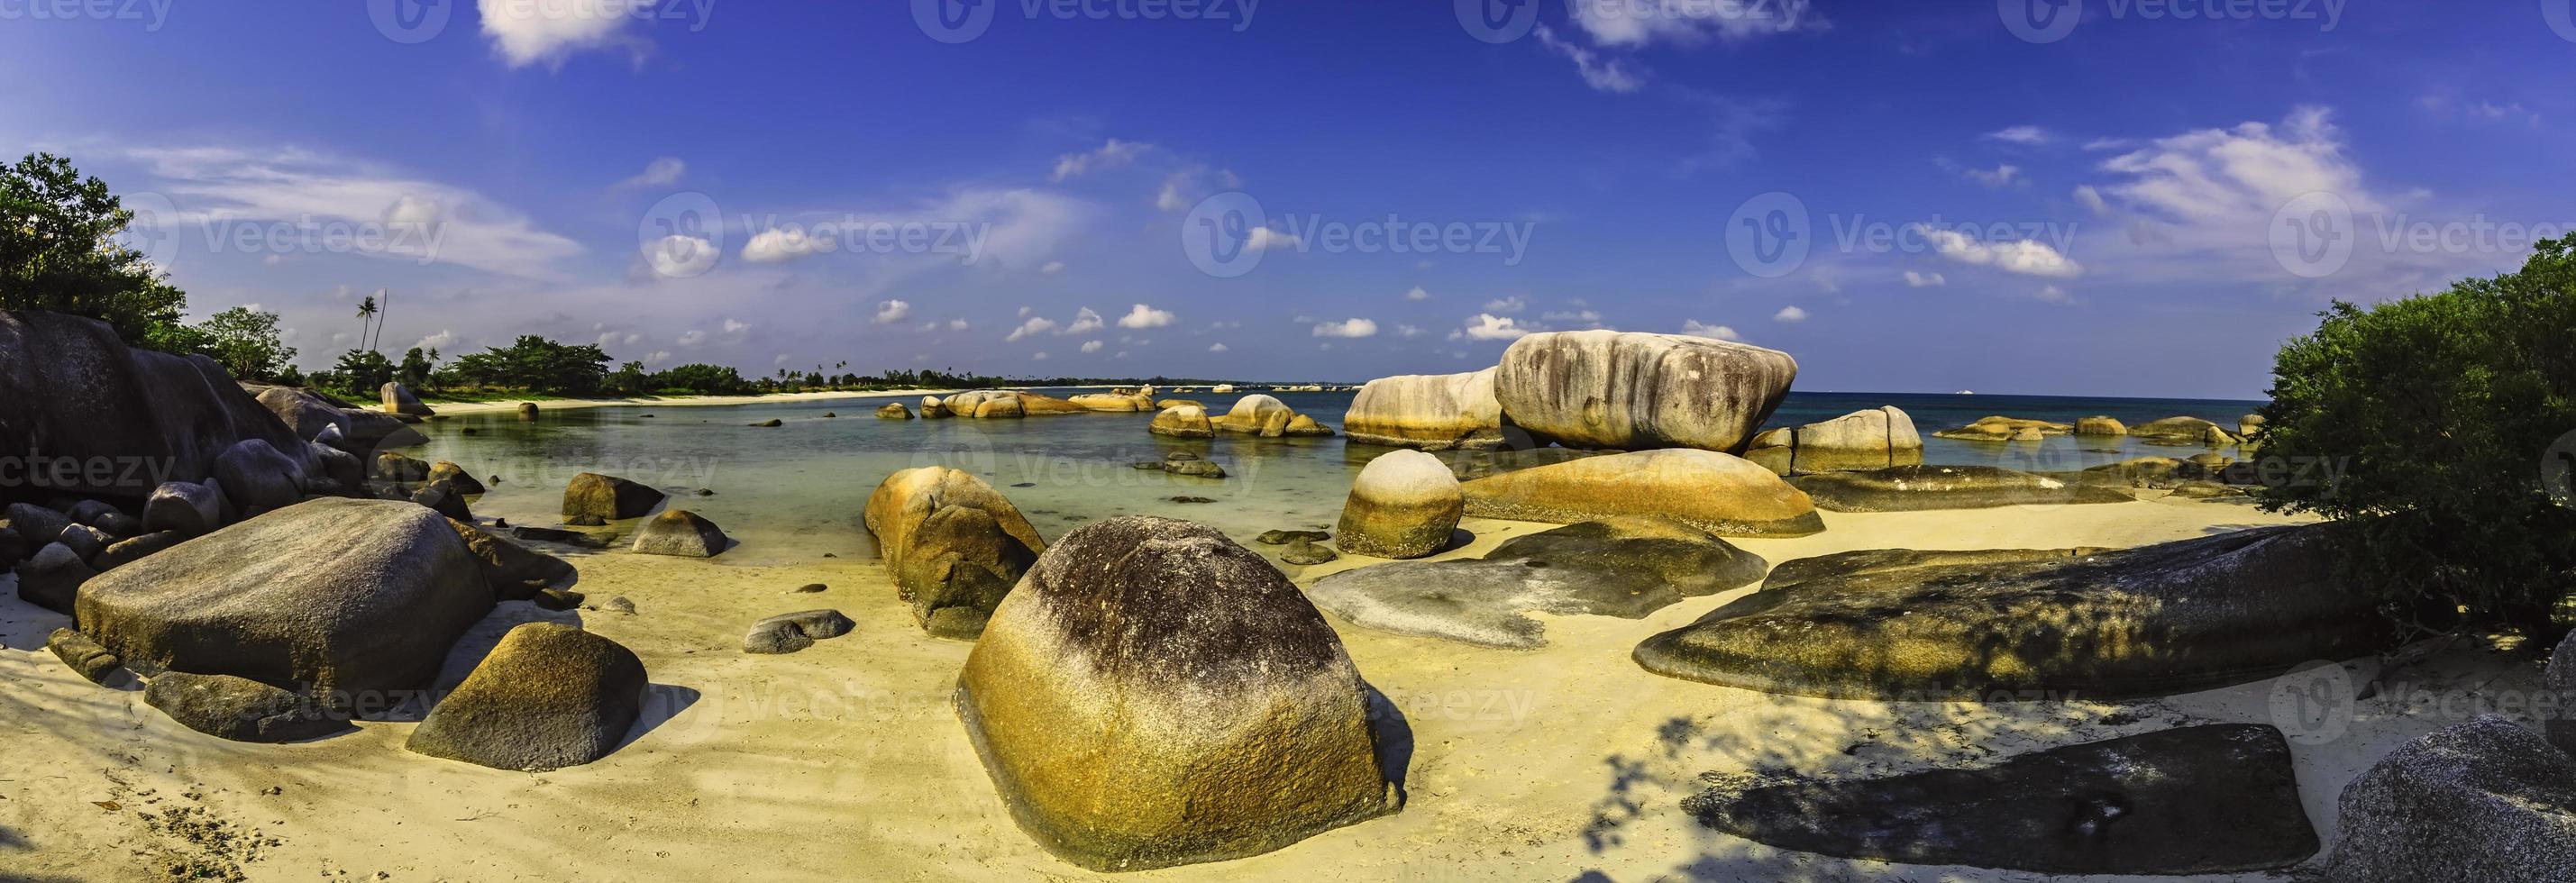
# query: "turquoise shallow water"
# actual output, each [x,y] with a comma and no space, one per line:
[793,492]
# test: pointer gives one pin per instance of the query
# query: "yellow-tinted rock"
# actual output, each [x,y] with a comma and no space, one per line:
[1155,695]
[954,545]
[1718,493]
[1404,504]
[1187,421]
[1628,392]
[1429,412]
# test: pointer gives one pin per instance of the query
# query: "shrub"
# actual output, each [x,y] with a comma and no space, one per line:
[2441,410]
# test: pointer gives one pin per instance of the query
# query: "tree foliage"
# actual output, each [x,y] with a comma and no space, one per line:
[246,342]
[2443,413]
[60,251]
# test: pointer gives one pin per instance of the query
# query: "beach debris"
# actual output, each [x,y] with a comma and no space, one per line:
[1147,671]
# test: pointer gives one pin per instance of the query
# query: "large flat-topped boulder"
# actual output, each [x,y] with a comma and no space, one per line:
[990,404]
[1861,441]
[1629,392]
[1918,488]
[1717,493]
[1155,695]
[1627,568]
[71,392]
[354,597]
[1923,626]
[2208,799]
[1434,412]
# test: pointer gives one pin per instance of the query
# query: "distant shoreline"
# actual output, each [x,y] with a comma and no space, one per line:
[504,406]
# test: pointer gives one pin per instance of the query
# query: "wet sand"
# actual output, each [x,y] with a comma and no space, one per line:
[845,761]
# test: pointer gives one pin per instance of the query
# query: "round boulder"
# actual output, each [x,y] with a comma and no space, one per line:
[548,696]
[1405,504]
[682,533]
[606,498]
[1155,695]
[1185,421]
[893,411]
[1629,392]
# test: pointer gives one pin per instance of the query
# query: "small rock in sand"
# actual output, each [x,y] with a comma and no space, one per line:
[790,632]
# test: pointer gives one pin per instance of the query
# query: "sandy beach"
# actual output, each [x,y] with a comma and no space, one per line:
[447,407]
[846,761]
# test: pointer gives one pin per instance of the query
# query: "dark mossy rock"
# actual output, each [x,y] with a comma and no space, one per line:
[771,423]
[445,499]
[1922,626]
[1306,553]
[71,388]
[1917,488]
[399,468]
[52,577]
[38,524]
[191,508]
[1470,464]
[84,540]
[2560,681]
[512,571]
[13,547]
[790,632]
[548,696]
[240,709]
[2484,801]
[553,535]
[681,533]
[84,655]
[1145,696]
[129,551]
[557,599]
[1627,568]
[2208,799]
[1284,537]
[605,498]
[451,473]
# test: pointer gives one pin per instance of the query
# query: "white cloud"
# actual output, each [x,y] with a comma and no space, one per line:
[1694,328]
[2091,199]
[1789,314]
[892,311]
[1143,316]
[2025,256]
[681,257]
[2053,294]
[957,325]
[734,327]
[1636,23]
[1408,331]
[1579,317]
[1052,268]
[1265,239]
[1417,294]
[1084,322]
[1040,356]
[774,245]
[1111,155]
[1506,305]
[440,341]
[1035,325]
[2002,176]
[423,221]
[1487,326]
[1091,346]
[1601,73]
[1924,280]
[1216,348]
[692,337]
[1347,328]
[656,357]
[662,172]
[2032,135]
[526,33]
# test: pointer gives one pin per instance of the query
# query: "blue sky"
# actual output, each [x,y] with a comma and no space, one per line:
[1908,197]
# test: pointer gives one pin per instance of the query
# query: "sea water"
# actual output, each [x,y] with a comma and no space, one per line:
[796,491]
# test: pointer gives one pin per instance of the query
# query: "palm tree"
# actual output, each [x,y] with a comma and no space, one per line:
[366,311]
[382,309]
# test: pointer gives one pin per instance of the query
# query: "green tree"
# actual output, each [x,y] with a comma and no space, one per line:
[416,368]
[2441,415]
[59,250]
[246,343]
[362,374]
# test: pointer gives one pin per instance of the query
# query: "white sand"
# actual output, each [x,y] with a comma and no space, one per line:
[844,762]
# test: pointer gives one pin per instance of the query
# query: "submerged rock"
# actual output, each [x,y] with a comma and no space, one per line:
[240,709]
[548,696]
[2100,426]
[1710,491]
[954,545]
[2005,429]
[355,597]
[2208,799]
[1186,421]
[2182,429]
[1628,569]
[1428,412]
[607,498]
[1403,505]
[893,411]
[1631,392]
[2157,620]
[1917,488]
[1267,417]
[2484,801]
[1155,695]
